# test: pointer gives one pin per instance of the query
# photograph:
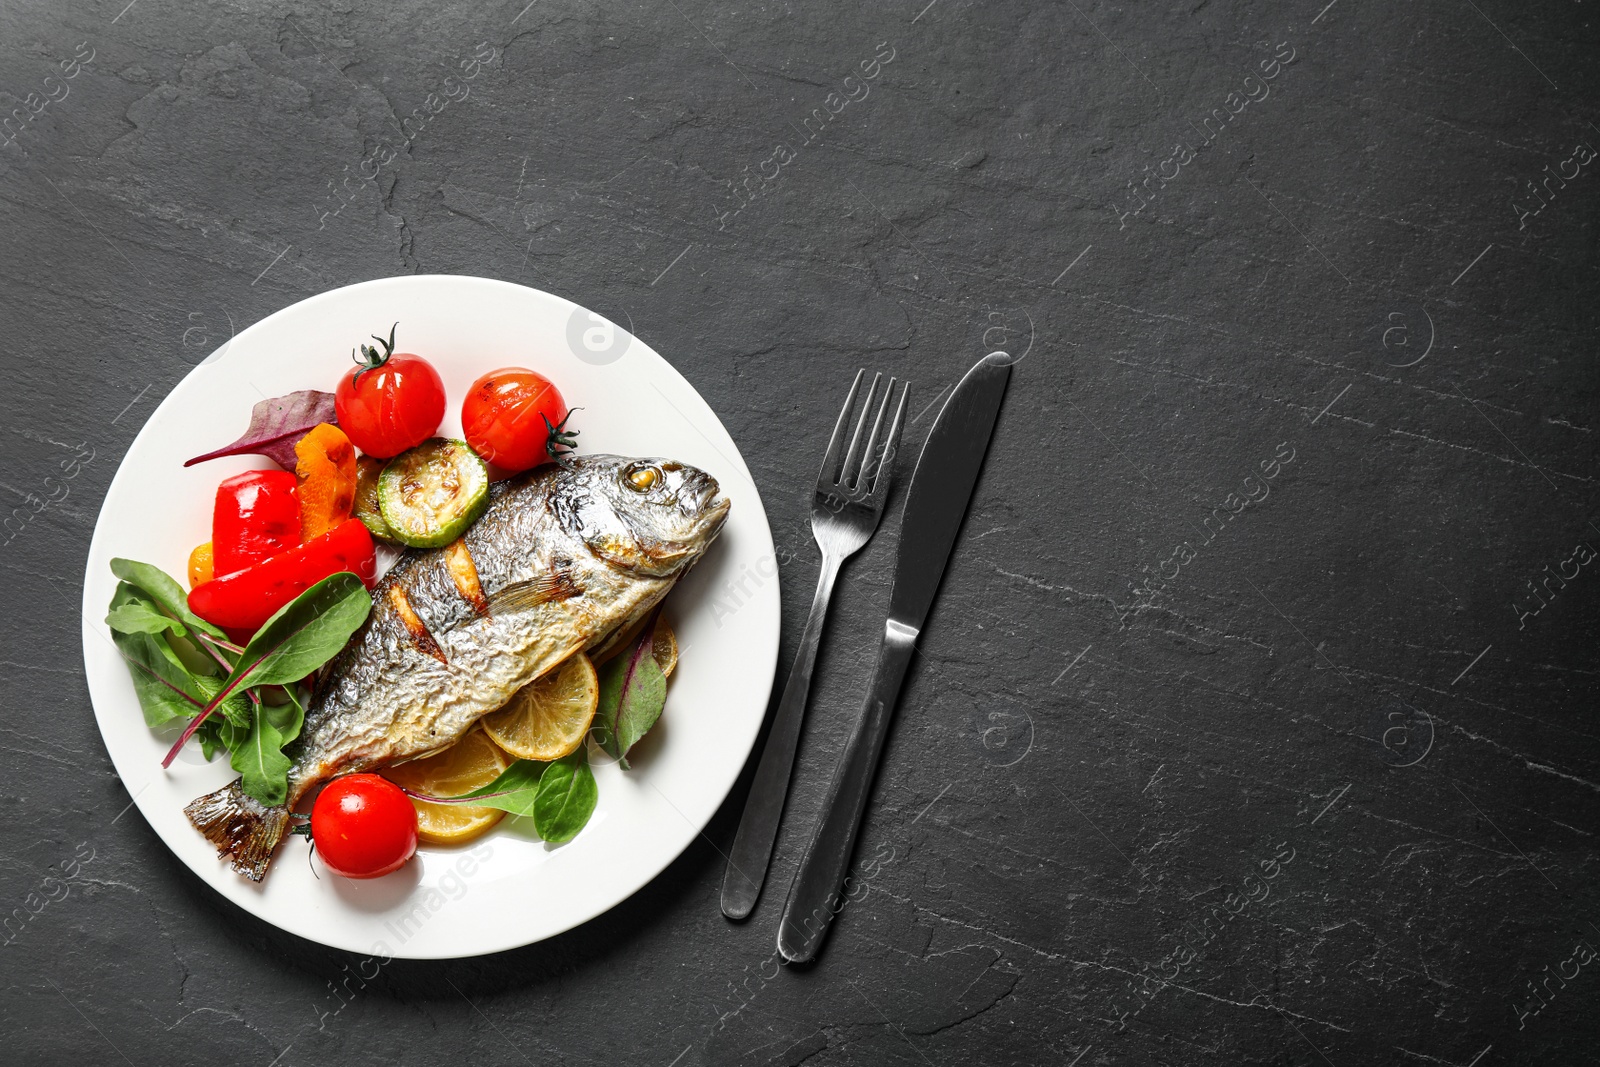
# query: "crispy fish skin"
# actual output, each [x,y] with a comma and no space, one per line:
[566,557]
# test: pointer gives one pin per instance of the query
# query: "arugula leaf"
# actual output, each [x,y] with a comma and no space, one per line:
[632,693]
[303,635]
[219,735]
[164,590]
[566,798]
[209,736]
[259,757]
[276,425]
[235,709]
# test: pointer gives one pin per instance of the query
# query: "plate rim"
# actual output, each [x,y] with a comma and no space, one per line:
[93,627]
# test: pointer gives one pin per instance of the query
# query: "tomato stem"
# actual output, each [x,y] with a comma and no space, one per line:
[560,442]
[371,358]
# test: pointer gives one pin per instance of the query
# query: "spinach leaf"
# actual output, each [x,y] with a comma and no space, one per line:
[513,791]
[303,635]
[632,693]
[142,617]
[566,798]
[259,756]
[561,796]
[166,688]
[164,590]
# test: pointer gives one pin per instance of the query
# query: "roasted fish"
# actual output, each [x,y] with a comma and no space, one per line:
[565,558]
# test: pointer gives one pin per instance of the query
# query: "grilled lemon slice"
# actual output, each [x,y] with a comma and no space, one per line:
[664,645]
[471,763]
[548,718]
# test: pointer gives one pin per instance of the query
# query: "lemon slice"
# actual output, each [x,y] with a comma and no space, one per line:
[548,718]
[664,646]
[471,763]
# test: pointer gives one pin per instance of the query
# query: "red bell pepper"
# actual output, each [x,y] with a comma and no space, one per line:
[256,516]
[240,602]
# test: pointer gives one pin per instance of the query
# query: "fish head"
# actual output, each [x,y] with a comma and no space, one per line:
[648,516]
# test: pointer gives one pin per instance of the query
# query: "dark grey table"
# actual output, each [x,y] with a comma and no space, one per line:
[1256,723]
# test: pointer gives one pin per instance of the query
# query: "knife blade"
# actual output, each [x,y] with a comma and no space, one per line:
[941,490]
[941,487]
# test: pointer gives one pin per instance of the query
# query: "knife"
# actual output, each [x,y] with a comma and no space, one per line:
[941,488]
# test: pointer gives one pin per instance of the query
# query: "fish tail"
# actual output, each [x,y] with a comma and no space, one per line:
[241,827]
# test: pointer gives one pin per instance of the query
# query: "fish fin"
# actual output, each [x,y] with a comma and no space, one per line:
[241,827]
[557,585]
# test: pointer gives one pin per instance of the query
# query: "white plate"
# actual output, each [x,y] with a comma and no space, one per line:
[509,888]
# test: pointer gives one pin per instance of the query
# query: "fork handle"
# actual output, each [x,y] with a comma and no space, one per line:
[751,854]
[814,897]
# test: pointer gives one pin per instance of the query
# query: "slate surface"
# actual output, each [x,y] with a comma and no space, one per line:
[1237,736]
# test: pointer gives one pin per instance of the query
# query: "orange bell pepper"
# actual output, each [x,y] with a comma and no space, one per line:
[326,467]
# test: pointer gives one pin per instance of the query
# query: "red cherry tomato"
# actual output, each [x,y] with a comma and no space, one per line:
[390,402]
[364,826]
[508,417]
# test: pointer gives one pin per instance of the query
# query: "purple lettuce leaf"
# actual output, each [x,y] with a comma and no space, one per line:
[277,425]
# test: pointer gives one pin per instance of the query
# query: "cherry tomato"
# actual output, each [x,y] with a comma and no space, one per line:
[200,565]
[508,417]
[364,826]
[390,402]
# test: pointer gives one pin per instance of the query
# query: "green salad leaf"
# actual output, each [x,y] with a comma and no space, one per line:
[142,617]
[149,611]
[561,795]
[566,798]
[235,710]
[513,791]
[217,734]
[633,691]
[164,590]
[166,688]
[303,635]
[259,757]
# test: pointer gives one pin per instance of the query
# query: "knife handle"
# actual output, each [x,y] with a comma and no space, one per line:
[751,853]
[815,895]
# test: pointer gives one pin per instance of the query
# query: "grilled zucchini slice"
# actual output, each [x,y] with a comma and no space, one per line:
[430,494]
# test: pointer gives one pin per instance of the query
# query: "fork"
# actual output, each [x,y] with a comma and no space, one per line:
[845,511]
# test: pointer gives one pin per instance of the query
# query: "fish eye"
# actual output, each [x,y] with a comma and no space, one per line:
[642,479]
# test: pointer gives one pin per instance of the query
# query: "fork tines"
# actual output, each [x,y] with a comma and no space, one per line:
[857,475]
